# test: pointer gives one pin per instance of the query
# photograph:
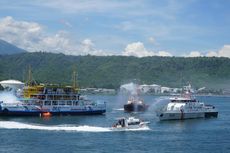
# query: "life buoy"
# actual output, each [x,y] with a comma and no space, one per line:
[46,114]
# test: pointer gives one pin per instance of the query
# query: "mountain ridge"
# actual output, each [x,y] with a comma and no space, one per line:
[7,48]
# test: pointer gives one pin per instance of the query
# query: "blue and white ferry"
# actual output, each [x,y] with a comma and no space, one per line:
[47,100]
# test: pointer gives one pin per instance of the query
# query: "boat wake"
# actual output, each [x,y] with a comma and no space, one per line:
[84,128]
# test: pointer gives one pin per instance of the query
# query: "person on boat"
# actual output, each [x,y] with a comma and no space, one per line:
[122,123]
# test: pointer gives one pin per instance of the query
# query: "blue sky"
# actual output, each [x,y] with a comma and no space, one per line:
[116,27]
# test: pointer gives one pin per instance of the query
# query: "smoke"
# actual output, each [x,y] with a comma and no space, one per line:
[130,88]
[159,104]
[123,94]
[8,97]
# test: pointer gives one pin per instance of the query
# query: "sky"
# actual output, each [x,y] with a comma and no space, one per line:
[139,28]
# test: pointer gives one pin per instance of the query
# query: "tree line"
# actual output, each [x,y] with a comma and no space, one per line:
[112,71]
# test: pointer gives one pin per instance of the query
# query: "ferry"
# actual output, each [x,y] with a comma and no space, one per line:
[186,107]
[51,100]
[48,100]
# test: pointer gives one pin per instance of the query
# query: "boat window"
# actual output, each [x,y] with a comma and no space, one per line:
[75,102]
[133,123]
[56,97]
[172,107]
[74,97]
[61,102]
[69,102]
[50,97]
[42,96]
[55,103]
[47,102]
[65,97]
[33,96]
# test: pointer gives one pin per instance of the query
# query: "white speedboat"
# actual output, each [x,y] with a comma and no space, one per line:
[129,123]
[186,107]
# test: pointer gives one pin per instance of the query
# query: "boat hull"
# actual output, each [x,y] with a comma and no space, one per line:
[211,114]
[183,116]
[180,116]
[39,113]
[128,128]
[135,107]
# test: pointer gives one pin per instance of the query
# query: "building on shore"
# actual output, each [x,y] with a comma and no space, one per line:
[98,91]
[154,88]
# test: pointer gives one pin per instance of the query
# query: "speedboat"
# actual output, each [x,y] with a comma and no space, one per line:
[129,123]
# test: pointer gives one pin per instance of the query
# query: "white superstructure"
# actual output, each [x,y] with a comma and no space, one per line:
[186,107]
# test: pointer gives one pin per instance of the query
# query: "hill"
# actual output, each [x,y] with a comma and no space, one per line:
[7,48]
[112,71]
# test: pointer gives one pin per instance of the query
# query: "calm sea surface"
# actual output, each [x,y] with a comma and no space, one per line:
[91,134]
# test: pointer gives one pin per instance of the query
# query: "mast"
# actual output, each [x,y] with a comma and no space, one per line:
[29,76]
[30,81]
[74,80]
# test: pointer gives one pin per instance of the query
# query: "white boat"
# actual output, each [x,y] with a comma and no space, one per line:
[186,107]
[129,123]
[180,108]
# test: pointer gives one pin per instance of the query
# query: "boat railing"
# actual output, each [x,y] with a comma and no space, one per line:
[12,104]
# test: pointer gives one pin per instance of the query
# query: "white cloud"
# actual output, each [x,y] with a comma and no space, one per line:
[20,33]
[73,6]
[66,23]
[58,43]
[194,54]
[87,47]
[212,54]
[32,37]
[163,53]
[125,26]
[137,49]
[225,51]
[152,40]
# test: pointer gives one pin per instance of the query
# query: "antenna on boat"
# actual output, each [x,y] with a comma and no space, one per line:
[30,80]
[74,79]
[29,76]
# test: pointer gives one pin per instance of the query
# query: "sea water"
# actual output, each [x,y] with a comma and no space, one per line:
[94,134]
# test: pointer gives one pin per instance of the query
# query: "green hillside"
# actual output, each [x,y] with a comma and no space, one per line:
[111,71]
